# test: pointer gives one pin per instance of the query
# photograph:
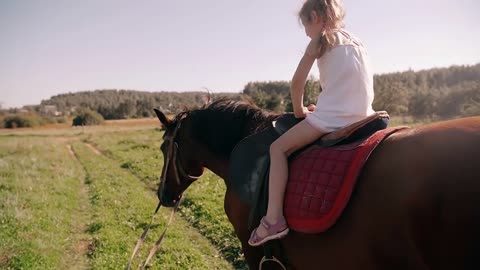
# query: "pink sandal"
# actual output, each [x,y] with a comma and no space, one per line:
[274,231]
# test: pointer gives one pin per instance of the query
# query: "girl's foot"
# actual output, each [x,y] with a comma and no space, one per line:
[267,231]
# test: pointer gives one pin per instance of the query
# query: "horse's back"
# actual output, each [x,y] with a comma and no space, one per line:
[425,183]
[416,205]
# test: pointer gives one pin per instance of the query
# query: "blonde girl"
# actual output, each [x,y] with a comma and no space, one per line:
[346,97]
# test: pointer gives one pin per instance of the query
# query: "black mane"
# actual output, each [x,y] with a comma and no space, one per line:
[221,124]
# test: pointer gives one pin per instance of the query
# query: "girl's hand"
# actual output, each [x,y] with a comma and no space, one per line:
[305,111]
[302,113]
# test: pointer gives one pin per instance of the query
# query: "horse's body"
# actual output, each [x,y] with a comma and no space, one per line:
[416,204]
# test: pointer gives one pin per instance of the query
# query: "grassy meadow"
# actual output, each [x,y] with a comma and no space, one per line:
[78,198]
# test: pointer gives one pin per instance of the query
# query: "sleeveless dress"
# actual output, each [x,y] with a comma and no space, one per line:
[347,85]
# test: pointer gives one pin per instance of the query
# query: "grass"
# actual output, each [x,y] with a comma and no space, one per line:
[63,206]
[79,210]
[139,153]
[39,204]
[122,206]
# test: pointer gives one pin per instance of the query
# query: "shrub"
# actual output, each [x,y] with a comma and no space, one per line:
[61,120]
[53,120]
[87,117]
[20,121]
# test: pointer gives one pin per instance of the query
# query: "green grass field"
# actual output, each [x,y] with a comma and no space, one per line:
[78,198]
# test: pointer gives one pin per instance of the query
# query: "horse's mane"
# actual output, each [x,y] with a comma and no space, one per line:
[220,125]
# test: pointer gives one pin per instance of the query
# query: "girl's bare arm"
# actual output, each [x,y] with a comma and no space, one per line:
[298,84]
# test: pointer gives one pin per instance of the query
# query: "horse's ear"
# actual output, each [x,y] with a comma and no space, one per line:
[163,118]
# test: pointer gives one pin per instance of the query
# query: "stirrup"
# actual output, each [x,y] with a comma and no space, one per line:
[273,259]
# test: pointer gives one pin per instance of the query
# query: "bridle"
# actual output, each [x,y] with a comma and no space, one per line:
[179,171]
[172,151]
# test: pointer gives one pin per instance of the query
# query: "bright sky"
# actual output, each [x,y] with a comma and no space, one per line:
[50,47]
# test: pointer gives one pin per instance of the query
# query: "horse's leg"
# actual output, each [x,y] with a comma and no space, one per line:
[238,213]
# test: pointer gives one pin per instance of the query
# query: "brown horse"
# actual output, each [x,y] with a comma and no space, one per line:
[416,204]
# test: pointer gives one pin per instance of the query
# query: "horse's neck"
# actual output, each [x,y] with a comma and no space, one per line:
[220,165]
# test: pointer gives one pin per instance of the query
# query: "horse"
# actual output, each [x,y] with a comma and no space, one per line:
[416,204]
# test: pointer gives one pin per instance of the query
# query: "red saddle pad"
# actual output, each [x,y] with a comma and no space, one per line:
[321,181]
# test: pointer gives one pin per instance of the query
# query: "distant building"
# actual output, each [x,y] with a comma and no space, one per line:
[31,108]
[50,110]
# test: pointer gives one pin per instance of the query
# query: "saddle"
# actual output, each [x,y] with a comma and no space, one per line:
[249,164]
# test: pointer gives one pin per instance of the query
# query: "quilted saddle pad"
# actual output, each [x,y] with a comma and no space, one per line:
[321,181]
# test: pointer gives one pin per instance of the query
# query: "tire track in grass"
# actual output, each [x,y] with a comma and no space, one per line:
[152,187]
[76,257]
[94,149]
[138,152]
[122,209]
[39,202]
[70,151]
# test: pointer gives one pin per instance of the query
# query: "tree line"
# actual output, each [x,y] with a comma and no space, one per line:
[123,104]
[435,94]
[439,93]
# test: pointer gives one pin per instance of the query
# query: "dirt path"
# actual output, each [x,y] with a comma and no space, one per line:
[72,154]
[76,256]
[94,149]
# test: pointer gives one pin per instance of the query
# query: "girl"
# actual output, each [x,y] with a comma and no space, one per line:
[346,97]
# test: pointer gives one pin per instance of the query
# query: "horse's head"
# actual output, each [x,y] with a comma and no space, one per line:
[181,166]
[204,137]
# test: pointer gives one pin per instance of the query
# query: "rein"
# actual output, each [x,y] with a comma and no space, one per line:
[178,171]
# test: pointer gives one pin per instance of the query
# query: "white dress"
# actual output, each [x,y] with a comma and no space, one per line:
[347,85]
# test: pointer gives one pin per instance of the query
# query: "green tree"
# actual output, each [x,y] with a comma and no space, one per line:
[87,117]
[21,121]
[394,99]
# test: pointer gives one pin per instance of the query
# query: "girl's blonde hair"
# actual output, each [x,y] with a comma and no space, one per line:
[332,14]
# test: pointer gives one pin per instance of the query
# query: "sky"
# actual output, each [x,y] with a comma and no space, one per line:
[51,47]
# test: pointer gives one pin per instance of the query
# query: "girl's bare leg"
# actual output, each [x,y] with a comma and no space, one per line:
[295,138]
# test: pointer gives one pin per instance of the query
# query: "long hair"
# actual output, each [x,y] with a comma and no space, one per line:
[332,13]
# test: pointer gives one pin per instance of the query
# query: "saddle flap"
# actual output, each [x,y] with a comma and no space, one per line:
[249,163]
[285,122]
[321,182]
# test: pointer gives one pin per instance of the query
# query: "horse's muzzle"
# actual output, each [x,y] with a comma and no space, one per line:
[167,200]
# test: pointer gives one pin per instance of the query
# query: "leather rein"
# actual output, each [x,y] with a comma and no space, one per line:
[179,171]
